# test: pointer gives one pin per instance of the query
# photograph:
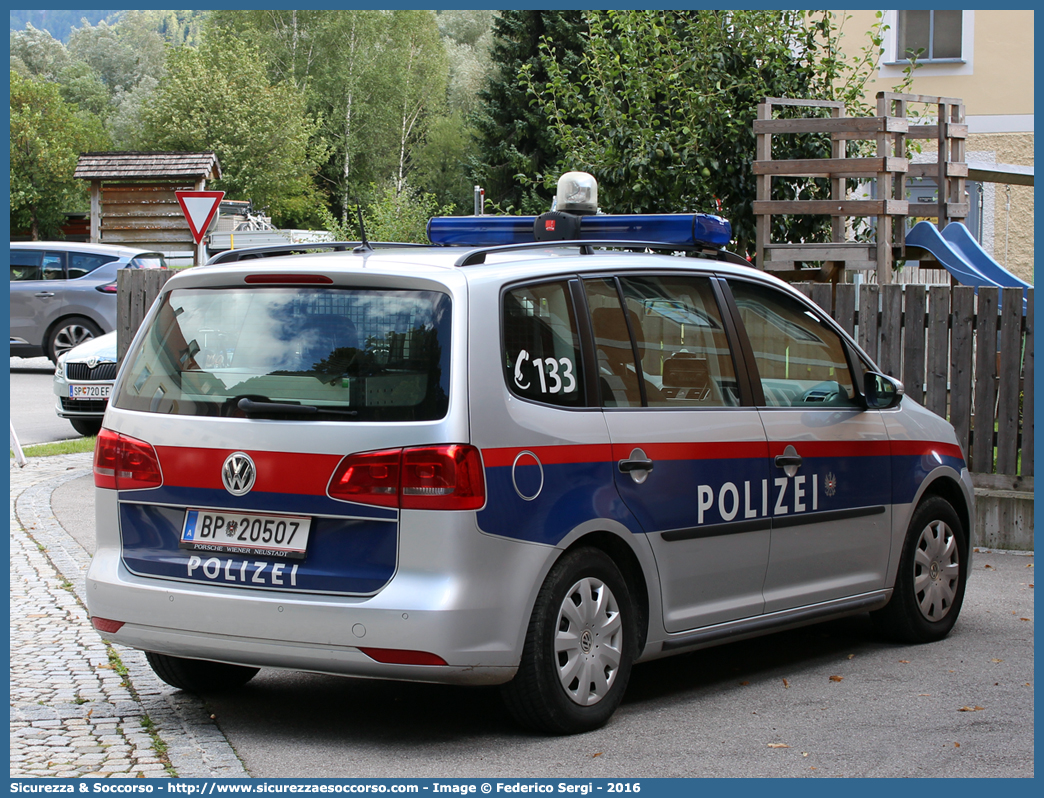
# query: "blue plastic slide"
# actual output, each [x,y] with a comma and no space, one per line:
[960,254]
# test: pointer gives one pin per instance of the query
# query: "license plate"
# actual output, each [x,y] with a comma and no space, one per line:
[281,536]
[90,391]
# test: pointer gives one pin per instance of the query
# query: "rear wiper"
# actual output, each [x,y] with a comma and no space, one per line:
[252,408]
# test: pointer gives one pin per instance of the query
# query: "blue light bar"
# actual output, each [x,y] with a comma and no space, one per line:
[480,231]
[678,229]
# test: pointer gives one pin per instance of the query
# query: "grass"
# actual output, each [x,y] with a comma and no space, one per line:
[74,446]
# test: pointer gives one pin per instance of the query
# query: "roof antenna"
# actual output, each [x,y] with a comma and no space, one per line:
[365,245]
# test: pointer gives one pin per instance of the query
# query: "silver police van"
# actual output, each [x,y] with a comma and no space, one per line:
[530,455]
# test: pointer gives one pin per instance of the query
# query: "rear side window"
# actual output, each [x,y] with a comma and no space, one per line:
[54,266]
[148,260]
[541,346]
[619,380]
[686,361]
[82,263]
[328,354]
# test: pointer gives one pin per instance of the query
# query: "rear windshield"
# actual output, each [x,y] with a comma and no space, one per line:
[327,354]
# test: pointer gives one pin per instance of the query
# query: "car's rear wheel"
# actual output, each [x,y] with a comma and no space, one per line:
[929,586]
[577,656]
[87,427]
[68,333]
[199,675]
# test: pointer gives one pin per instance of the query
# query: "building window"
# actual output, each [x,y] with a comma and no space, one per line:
[930,35]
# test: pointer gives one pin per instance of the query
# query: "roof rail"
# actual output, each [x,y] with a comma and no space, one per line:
[277,250]
[476,256]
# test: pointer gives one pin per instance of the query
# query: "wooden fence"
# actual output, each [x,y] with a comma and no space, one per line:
[136,289]
[967,357]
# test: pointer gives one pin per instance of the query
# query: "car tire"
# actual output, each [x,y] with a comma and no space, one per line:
[68,333]
[199,675]
[88,427]
[933,570]
[582,635]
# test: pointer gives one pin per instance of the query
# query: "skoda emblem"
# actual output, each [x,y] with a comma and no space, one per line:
[92,362]
[238,473]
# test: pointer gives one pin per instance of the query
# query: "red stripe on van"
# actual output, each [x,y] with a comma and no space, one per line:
[908,448]
[277,472]
[692,450]
[879,448]
[604,453]
[549,455]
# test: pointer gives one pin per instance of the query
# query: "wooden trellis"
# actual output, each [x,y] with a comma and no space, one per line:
[890,129]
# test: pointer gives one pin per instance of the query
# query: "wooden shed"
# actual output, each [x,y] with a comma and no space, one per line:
[133,201]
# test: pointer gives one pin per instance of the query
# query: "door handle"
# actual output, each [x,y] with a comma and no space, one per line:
[789,461]
[637,464]
[44,293]
[627,466]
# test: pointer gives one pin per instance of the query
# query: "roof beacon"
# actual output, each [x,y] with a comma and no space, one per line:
[577,196]
[577,193]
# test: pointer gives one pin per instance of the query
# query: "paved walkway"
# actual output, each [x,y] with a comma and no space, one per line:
[79,707]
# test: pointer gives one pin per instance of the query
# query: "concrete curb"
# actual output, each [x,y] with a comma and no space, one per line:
[92,725]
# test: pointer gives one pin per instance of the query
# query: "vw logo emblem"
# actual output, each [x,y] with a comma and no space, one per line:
[238,473]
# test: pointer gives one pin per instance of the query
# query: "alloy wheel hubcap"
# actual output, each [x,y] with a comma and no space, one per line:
[71,336]
[937,570]
[588,641]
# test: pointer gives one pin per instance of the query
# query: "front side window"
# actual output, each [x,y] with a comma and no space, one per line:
[26,265]
[929,35]
[294,353]
[541,345]
[800,359]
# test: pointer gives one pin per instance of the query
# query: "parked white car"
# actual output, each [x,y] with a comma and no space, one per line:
[83,381]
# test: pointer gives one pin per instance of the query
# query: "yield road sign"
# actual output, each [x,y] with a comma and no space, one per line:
[199,208]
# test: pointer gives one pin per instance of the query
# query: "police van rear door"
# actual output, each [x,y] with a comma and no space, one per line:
[689,458]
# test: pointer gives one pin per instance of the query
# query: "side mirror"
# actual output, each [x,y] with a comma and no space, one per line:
[881,391]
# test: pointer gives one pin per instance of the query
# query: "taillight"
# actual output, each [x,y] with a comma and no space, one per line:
[125,463]
[107,288]
[371,478]
[425,478]
[288,279]
[442,478]
[106,454]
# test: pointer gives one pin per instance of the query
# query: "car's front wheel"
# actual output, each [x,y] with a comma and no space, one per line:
[68,333]
[929,586]
[199,675]
[581,641]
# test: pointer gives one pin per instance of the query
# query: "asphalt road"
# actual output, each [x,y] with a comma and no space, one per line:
[773,706]
[32,403]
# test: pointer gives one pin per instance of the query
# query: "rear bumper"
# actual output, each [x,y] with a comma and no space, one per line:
[456,593]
